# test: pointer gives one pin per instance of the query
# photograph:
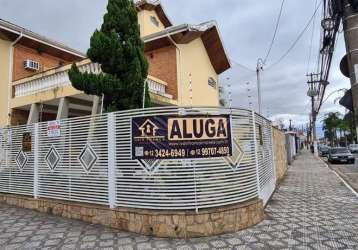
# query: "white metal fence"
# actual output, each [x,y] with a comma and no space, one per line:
[91,162]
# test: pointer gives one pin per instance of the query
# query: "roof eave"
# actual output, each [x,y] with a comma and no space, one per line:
[209,33]
[4,25]
[159,9]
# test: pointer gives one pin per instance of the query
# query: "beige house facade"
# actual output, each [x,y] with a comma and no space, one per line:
[185,62]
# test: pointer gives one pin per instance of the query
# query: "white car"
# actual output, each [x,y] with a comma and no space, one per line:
[353,148]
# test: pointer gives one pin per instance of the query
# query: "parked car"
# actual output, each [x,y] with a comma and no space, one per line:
[353,148]
[340,155]
[323,150]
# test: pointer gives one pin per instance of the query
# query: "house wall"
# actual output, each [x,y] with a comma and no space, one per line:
[280,153]
[194,60]
[163,65]
[22,53]
[5,49]
[147,27]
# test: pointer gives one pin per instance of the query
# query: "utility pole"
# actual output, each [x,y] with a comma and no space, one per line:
[350,26]
[259,68]
[313,85]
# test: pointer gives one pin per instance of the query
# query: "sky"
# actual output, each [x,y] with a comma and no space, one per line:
[246,28]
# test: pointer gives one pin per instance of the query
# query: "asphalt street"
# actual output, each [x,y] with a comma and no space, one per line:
[349,172]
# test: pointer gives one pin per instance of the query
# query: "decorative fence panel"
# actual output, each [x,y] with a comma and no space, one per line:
[73,166]
[17,167]
[266,168]
[89,160]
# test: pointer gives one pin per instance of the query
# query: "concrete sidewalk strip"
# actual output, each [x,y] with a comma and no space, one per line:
[312,209]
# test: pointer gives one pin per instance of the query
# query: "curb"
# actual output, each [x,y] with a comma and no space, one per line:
[340,178]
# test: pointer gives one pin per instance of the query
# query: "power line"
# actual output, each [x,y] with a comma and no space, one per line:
[321,34]
[275,33]
[297,39]
[242,65]
[311,43]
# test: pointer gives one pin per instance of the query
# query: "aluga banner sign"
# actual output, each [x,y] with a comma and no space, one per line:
[181,137]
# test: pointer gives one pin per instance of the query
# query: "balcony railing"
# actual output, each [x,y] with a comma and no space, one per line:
[157,87]
[56,78]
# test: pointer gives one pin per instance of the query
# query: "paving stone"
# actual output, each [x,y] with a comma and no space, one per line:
[68,247]
[32,245]
[88,245]
[106,243]
[52,243]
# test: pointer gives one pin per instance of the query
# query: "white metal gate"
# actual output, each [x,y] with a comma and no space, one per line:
[91,162]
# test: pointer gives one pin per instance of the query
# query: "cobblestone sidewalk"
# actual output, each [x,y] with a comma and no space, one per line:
[311,210]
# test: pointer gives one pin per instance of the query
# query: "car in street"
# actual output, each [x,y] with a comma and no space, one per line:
[353,148]
[323,150]
[340,155]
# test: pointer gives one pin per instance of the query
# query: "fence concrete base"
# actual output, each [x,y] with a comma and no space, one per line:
[174,224]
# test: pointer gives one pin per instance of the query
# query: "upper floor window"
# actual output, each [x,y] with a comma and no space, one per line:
[212,82]
[31,65]
[154,20]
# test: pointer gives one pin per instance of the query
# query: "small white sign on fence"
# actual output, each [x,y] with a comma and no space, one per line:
[54,129]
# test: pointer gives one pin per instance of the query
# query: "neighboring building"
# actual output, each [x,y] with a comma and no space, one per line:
[22,55]
[184,64]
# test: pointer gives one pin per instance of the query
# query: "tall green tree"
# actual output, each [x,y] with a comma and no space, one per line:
[147,102]
[349,119]
[330,126]
[119,49]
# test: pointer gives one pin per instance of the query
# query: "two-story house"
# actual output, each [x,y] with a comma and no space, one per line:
[184,64]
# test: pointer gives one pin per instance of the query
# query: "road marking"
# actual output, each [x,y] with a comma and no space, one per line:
[339,177]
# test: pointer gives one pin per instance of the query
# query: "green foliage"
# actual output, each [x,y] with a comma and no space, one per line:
[118,48]
[333,123]
[147,102]
[330,125]
[350,121]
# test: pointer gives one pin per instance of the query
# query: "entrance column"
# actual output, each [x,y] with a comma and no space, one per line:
[34,113]
[63,109]
[96,105]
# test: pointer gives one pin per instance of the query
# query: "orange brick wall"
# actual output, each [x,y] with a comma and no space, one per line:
[21,53]
[163,65]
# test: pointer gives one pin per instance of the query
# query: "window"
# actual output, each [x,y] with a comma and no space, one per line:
[31,65]
[154,20]
[212,82]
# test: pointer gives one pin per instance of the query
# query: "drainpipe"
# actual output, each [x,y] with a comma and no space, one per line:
[179,68]
[11,53]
